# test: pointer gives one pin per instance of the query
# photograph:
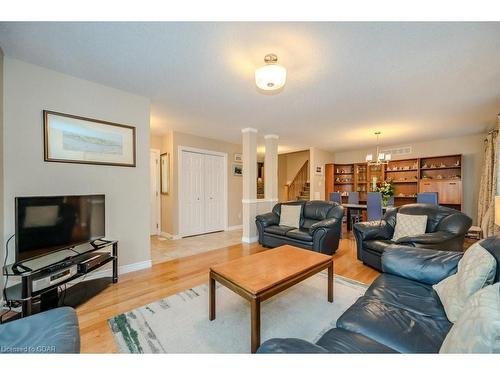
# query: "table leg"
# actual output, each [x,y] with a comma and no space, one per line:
[349,223]
[255,323]
[211,291]
[330,282]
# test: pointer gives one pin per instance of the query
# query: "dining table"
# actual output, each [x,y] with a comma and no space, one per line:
[357,206]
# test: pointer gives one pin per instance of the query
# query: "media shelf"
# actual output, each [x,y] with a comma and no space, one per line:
[71,263]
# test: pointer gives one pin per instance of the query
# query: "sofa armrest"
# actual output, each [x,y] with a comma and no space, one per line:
[296,346]
[327,223]
[268,219]
[372,230]
[428,238]
[427,266]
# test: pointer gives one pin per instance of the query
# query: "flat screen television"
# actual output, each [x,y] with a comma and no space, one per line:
[48,224]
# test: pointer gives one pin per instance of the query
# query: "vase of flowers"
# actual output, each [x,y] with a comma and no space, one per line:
[386,188]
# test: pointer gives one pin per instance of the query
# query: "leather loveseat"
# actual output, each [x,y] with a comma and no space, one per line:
[446,230]
[320,227]
[399,313]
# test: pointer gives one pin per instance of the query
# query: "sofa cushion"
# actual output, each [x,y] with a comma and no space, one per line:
[402,330]
[478,328]
[409,226]
[407,294]
[53,331]
[300,234]
[338,340]
[378,246]
[290,215]
[476,269]
[280,230]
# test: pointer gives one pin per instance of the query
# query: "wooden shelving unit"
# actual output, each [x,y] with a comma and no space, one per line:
[343,179]
[442,174]
[404,175]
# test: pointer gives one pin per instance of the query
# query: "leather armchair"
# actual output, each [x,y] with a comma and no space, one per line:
[320,227]
[446,230]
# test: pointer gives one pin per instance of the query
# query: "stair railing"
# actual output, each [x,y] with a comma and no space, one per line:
[294,188]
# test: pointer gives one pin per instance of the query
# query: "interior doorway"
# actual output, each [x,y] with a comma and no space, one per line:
[154,192]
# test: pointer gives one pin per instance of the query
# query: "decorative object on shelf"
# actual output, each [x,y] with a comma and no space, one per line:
[272,76]
[381,158]
[386,188]
[82,140]
[238,158]
[237,170]
[164,173]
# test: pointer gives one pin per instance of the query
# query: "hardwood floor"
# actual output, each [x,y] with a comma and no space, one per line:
[139,288]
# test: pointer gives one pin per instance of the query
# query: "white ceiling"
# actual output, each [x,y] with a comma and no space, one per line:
[412,81]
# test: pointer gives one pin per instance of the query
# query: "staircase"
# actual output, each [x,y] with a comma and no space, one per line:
[305,193]
[299,188]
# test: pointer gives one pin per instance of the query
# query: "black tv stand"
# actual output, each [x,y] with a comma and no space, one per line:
[71,263]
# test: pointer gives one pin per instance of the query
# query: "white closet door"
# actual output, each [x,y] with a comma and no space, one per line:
[214,193]
[193,203]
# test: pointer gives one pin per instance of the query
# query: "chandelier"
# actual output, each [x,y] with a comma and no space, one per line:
[381,158]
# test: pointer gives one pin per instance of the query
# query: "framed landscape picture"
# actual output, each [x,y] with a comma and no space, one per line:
[76,139]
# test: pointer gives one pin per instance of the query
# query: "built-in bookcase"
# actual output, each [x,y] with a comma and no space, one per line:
[442,174]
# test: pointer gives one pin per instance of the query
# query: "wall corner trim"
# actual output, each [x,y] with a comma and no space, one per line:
[249,130]
[271,136]
[249,239]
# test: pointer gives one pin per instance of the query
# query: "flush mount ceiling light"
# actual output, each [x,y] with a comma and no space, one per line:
[381,158]
[272,76]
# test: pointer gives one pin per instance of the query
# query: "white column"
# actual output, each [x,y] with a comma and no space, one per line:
[249,201]
[271,168]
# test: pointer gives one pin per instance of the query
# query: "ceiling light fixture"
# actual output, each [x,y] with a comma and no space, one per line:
[382,158]
[272,76]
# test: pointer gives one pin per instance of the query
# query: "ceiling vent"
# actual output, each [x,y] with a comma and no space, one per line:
[396,152]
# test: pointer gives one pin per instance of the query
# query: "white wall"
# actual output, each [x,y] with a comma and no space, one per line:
[317,182]
[29,89]
[471,147]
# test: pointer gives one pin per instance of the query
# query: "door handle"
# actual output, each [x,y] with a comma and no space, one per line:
[452,183]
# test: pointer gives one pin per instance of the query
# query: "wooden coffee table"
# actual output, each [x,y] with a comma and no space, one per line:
[260,276]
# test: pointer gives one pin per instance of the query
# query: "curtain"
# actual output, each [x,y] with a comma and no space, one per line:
[489,184]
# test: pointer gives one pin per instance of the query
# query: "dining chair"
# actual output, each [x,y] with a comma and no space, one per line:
[374,206]
[336,197]
[390,201]
[356,216]
[429,197]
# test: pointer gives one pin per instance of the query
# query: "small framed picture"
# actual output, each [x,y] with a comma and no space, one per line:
[318,171]
[237,170]
[238,158]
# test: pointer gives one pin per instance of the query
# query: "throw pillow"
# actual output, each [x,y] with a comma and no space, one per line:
[409,225]
[475,270]
[478,328]
[290,215]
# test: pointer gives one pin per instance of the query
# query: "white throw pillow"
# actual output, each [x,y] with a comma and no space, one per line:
[409,225]
[475,270]
[290,215]
[478,328]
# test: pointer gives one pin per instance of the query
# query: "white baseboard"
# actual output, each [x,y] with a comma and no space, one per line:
[170,236]
[235,227]
[121,270]
[249,239]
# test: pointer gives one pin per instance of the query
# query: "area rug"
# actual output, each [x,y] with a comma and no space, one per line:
[179,323]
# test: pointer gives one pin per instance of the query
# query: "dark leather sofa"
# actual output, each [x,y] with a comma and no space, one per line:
[446,230]
[399,313]
[320,227]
